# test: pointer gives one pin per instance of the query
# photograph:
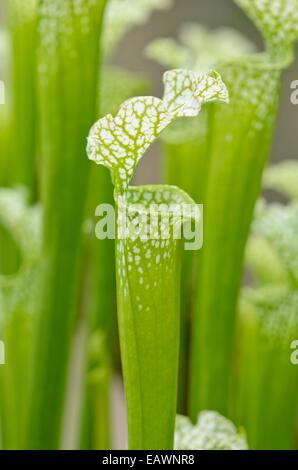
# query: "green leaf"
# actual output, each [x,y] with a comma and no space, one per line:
[148,267]
[211,432]
[22,18]
[235,151]
[221,167]
[68,69]
[5,110]
[116,86]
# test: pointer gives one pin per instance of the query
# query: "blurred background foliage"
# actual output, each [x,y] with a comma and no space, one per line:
[130,56]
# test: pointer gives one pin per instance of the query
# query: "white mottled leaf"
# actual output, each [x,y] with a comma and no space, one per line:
[276,19]
[211,432]
[186,91]
[119,142]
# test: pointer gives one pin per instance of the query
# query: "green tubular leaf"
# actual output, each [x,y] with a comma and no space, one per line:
[149,321]
[68,65]
[200,49]
[100,309]
[17,314]
[23,28]
[116,86]
[211,432]
[5,111]
[148,279]
[18,70]
[277,20]
[238,142]
[17,148]
[265,403]
[283,178]
[232,146]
